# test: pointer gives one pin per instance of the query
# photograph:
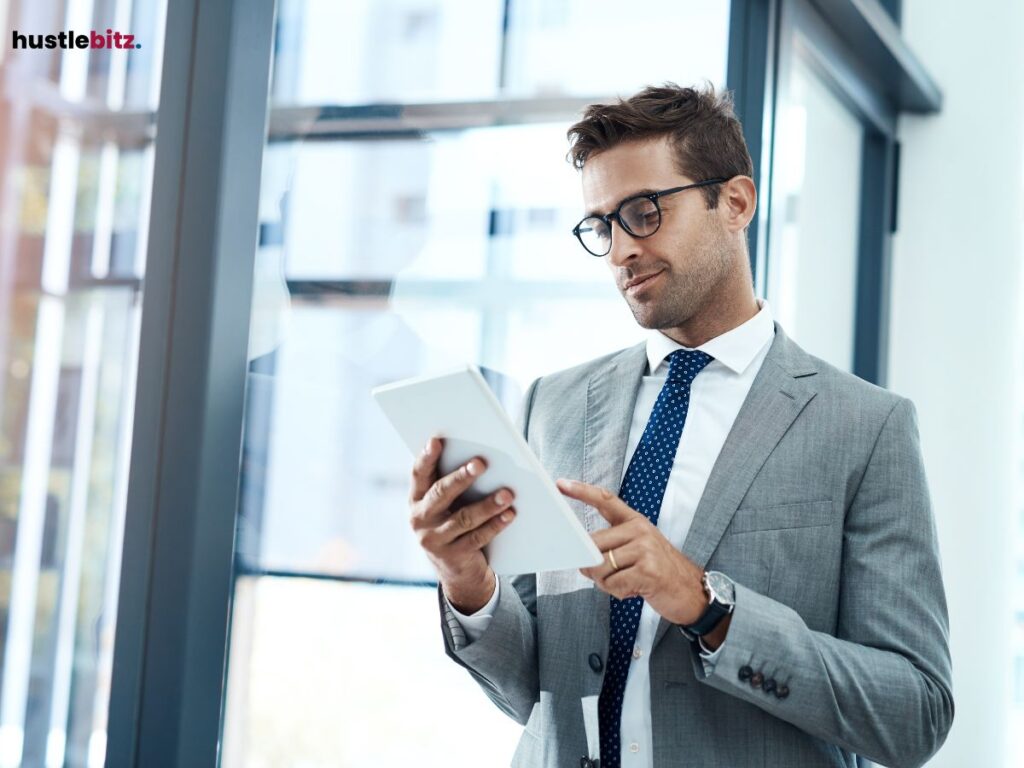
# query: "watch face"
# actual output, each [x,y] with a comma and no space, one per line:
[722,587]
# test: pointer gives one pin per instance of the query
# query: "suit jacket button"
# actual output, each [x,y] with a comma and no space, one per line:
[745,672]
[769,685]
[782,691]
[756,679]
[595,662]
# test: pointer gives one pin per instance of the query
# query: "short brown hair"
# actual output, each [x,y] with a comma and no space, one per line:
[702,126]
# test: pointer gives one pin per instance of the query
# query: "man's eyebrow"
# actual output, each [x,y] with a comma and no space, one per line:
[638,193]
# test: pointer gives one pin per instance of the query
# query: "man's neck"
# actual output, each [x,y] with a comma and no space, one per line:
[718,316]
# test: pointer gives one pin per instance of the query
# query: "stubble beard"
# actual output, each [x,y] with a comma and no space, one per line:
[684,295]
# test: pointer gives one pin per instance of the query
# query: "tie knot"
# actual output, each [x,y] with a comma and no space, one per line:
[685,364]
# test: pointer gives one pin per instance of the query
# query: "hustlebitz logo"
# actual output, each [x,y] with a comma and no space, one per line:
[69,40]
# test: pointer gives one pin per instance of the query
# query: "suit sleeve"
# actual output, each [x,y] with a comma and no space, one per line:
[882,686]
[475,624]
[503,660]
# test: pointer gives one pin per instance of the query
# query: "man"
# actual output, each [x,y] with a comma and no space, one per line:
[771,592]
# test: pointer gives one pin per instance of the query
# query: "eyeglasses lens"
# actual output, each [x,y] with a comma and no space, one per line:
[640,217]
[595,236]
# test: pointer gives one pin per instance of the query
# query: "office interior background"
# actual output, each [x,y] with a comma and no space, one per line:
[213,246]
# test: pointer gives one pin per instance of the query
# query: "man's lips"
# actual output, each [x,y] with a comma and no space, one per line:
[637,282]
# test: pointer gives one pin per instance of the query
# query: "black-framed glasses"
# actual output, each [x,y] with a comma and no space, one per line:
[639,215]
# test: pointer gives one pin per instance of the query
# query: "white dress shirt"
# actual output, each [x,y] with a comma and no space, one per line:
[716,395]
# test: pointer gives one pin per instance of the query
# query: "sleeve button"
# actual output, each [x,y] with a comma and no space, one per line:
[782,691]
[745,672]
[769,685]
[756,679]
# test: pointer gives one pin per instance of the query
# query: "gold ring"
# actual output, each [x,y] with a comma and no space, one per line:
[611,559]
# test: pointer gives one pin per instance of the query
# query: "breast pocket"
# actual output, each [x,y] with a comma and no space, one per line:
[801,514]
[759,538]
[799,547]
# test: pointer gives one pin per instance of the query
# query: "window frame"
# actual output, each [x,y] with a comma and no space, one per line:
[176,582]
[172,639]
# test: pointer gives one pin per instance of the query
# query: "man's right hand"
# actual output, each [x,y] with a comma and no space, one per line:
[454,539]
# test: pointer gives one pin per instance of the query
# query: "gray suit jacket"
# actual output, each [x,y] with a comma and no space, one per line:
[818,508]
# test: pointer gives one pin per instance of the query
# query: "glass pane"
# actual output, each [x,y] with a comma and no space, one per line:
[381,209]
[588,47]
[418,51]
[72,255]
[815,216]
[350,707]
[385,256]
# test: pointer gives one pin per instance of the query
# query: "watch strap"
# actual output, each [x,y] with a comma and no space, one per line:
[708,620]
[712,615]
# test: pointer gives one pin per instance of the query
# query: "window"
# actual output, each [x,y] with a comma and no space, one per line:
[77,168]
[815,215]
[411,219]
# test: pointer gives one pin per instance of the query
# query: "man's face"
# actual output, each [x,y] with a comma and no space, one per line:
[685,260]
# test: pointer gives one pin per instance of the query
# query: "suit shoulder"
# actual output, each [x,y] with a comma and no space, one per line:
[847,388]
[575,375]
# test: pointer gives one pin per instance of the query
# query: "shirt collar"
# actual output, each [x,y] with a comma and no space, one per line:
[735,349]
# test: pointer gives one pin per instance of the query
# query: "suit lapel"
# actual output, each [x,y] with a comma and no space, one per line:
[611,397]
[779,393]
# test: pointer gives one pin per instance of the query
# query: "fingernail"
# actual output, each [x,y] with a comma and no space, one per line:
[473,467]
[503,497]
[507,515]
[426,448]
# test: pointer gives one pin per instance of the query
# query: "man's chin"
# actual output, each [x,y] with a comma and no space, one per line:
[647,317]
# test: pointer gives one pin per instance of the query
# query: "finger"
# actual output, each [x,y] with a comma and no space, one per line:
[625,556]
[623,584]
[611,507]
[483,535]
[424,469]
[434,505]
[474,515]
[598,572]
[616,536]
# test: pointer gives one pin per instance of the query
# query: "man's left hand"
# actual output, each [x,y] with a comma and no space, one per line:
[648,565]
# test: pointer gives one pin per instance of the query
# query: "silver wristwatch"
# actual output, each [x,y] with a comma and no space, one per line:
[721,592]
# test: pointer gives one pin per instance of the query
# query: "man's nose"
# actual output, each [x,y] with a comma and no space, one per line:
[624,245]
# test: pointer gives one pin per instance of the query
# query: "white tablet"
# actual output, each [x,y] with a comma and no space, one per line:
[459,406]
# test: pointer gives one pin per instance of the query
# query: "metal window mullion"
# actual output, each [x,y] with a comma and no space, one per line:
[873,32]
[751,76]
[175,589]
[874,259]
[135,127]
[106,623]
[397,120]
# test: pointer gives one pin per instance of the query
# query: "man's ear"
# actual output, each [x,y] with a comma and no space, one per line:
[737,202]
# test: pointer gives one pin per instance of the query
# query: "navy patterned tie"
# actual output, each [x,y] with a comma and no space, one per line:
[643,489]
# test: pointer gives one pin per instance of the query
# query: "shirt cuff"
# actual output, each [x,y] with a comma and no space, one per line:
[475,624]
[708,657]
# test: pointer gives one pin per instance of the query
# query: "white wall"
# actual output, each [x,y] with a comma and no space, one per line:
[954,339]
